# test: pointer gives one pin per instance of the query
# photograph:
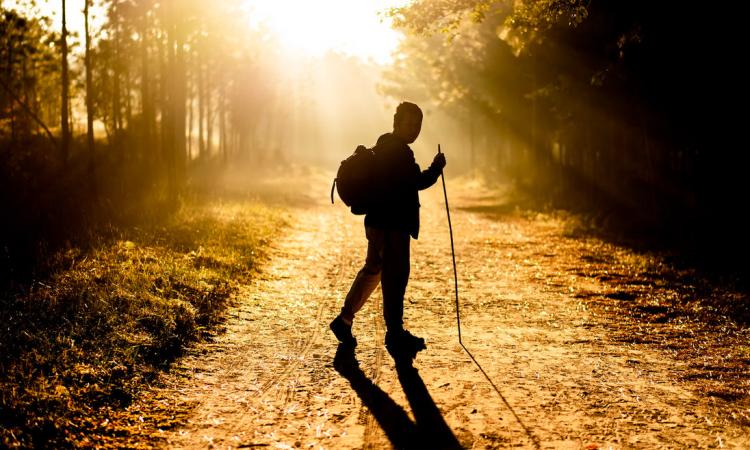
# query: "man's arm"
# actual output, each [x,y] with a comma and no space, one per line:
[427,178]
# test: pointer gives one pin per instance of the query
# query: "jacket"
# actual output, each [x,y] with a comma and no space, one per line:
[400,179]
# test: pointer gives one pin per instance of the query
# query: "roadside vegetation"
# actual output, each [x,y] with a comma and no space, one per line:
[79,344]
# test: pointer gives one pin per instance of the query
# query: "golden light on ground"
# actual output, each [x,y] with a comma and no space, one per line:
[354,27]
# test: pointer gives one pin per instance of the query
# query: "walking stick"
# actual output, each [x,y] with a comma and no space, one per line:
[531,435]
[453,252]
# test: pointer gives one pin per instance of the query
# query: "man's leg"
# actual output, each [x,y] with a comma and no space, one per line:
[364,283]
[401,344]
[368,277]
[395,277]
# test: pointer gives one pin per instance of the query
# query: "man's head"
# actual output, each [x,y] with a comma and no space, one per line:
[407,122]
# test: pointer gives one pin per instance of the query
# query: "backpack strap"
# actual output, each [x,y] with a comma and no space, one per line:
[333,186]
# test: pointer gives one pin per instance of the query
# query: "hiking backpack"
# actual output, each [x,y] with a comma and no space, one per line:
[356,180]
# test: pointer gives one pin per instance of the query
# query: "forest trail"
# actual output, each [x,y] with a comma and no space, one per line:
[568,372]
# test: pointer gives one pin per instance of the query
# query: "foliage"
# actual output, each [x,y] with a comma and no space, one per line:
[28,64]
[76,346]
[609,104]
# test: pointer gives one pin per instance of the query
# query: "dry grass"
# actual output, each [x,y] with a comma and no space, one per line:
[78,345]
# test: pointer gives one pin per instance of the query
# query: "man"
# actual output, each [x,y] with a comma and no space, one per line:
[390,223]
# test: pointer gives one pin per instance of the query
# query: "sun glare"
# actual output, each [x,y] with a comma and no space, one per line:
[354,27]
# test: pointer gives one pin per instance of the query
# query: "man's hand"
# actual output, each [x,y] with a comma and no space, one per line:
[439,161]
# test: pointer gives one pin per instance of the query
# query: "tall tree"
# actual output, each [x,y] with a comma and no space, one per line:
[64,117]
[117,68]
[30,75]
[147,101]
[89,93]
[201,103]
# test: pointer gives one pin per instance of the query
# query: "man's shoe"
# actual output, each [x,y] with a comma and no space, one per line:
[402,344]
[343,332]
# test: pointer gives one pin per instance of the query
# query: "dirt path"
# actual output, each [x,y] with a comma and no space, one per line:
[563,381]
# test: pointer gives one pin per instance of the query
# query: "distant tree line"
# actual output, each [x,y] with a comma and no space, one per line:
[91,124]
[169,80]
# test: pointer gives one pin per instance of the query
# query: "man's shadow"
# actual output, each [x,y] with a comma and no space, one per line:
[428,430]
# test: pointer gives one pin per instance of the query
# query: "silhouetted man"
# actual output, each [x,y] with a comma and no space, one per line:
[390,224]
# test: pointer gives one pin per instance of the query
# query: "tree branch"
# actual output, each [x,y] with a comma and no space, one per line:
[28,110]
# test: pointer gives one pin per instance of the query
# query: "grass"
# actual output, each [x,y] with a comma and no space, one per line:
[78,345]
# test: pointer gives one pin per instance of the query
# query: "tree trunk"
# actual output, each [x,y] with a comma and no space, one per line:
[64,120]
[209,117]
[162,105]
[168,117]
[180,103]
[89,92]
[128,120]
[201,107]
[116,108]
[147,106]
[190,119]
[472,149]
[9,77]
[222,123]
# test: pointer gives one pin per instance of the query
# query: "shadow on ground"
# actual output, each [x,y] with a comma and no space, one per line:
[428,430]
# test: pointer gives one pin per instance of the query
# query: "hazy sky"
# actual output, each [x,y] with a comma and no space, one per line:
[354,27]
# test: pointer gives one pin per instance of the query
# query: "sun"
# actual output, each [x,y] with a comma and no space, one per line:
[354,27]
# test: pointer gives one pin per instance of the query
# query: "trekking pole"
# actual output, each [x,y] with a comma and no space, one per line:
[534,439]
[453,252]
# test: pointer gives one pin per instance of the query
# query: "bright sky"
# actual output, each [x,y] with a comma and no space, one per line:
[354,27]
